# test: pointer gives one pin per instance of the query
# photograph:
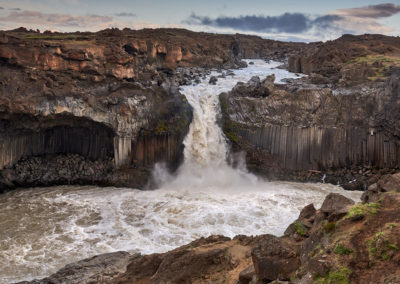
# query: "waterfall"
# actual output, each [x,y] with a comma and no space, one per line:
[206,150]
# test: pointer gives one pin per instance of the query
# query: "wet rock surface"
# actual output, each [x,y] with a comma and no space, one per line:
[98,269]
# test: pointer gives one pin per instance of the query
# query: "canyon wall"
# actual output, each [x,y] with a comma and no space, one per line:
[317,148]
[305,131]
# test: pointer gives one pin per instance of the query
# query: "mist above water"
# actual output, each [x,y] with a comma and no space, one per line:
[43,229]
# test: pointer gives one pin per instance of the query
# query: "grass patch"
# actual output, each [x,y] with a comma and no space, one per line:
[300,229]
[377,63]
[381,246]
[361,210]
[342,250]
[340,276]
[329,227]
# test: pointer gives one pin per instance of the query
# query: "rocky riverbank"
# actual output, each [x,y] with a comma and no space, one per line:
[341,242]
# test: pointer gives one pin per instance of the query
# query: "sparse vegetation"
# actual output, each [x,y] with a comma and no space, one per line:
[232,136]
[381,246]
[361,210]
[329,227]
[340,276]
[300,229]
[342,250]
[161,127]
[378,63]
[72,37]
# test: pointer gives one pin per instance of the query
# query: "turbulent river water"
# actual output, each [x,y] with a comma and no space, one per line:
[43,229]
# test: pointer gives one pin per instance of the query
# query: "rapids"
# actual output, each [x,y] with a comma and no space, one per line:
[43,229]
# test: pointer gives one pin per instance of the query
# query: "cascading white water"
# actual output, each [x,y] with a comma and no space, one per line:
[43,229]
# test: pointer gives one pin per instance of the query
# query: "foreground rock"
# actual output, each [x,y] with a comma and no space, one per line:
[98,269]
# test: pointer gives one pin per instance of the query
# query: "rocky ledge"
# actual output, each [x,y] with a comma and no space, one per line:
[342,242]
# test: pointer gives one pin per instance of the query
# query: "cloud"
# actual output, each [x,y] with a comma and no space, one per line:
[372,11]
[294,23]
[1,8]
[54,19]
[125,14]
[15,9]
[366,19]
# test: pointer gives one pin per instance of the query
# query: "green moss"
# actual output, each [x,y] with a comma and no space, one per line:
[342,250]
[300,229]
[161,127]
[316,251]
[329,227]
[231,136]
[340,276]
[224,105]
[359,211]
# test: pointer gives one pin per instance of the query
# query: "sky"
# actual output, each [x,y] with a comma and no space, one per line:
[288,20]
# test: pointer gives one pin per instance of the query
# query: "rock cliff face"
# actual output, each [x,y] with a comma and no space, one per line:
[305,130]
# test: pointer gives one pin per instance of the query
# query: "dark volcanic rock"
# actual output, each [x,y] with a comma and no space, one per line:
[385,184]
[213,80]
[336,205]
[305,132]
[274,259]
[98,269]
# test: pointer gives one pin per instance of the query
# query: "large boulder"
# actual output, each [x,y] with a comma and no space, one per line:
[335,206]
[300,227]
[274,259]
[384,184]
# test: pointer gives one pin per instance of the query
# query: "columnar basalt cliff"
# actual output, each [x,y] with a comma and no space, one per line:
[307,131]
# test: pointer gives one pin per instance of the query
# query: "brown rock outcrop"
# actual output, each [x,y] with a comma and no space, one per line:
[350,59]
[273,258]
